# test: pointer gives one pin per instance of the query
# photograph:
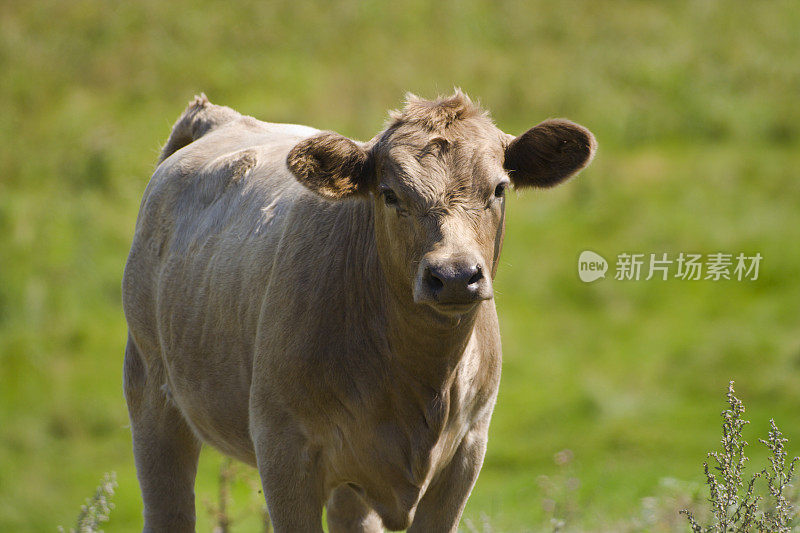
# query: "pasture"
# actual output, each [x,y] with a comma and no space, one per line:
[694,106]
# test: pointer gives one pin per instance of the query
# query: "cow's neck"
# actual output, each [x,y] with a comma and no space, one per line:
[428,348]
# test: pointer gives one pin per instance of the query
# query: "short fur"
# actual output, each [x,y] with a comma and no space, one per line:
[282,307]
[436,115]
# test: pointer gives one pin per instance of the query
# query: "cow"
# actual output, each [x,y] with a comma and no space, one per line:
[322,309]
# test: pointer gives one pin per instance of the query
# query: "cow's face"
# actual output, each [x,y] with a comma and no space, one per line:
[437,178]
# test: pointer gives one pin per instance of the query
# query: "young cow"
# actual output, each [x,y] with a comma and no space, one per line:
[322,308]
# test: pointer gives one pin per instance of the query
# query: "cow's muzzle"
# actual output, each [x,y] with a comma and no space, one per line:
[452,284]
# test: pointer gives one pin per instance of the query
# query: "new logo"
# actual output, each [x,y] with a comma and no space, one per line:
[591,266]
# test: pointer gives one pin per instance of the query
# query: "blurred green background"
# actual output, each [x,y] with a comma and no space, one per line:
[695,107]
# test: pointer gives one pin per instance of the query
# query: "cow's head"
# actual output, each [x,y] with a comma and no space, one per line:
[437,176]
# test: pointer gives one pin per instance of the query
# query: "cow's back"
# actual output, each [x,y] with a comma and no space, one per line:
[209,226]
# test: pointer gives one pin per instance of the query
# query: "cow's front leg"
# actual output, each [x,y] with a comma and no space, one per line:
[441,507]
[292,481]
[164,447]
[348,513]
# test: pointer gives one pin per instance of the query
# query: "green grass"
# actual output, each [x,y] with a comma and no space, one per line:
[695,108]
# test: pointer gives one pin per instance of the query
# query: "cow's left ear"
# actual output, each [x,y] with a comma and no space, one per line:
[331,165]
[549,153]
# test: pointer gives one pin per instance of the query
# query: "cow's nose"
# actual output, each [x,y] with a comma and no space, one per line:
[456,282]
[448,278]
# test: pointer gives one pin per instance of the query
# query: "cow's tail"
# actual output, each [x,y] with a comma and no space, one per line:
[200,117]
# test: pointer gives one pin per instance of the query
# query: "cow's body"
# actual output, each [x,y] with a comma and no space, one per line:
[262,320]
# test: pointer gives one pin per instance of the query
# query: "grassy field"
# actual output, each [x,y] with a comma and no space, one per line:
[695,107]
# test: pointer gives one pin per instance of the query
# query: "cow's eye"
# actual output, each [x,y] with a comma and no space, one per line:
[500,190]
[390,197]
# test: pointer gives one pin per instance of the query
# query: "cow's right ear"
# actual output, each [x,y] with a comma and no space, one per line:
[549,153]
[331,165]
